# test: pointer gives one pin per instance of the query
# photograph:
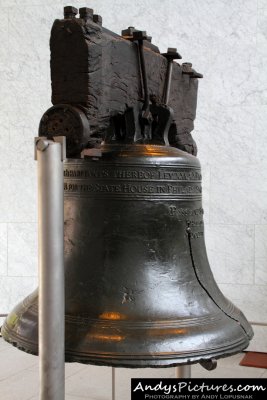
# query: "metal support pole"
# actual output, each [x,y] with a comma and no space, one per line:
[51,269]
[113,382]
[184,371]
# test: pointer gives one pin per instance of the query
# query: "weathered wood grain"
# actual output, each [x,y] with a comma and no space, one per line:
[99,71]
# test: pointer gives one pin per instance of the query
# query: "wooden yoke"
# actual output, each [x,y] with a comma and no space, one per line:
[99,73]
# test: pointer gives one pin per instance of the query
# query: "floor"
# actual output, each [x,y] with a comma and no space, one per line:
[19,376]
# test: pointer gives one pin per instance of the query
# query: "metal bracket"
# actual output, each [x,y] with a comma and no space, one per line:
[93,153]
[209,364]
[56,139]
[170,56]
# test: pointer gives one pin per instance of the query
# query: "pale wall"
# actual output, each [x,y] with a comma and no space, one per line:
[227,42]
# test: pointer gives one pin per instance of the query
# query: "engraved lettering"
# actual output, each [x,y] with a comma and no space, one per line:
[86,173]
[178,189]
[186,212]
[194,223]
[127,188]
[180,175]
[70,187]
[97,187]
[132,174]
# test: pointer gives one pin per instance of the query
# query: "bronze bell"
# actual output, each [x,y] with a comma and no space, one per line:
[139,289]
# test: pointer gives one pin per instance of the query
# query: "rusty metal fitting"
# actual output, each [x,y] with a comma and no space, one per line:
[70,12]
[172,54]
[97,19]
[86,13]
[140,35]
[128,32]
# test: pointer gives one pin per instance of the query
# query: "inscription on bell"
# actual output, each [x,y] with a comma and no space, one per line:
[86,173]
[133,174]
[131,188]
[185,212]
[132,180]
[180,175]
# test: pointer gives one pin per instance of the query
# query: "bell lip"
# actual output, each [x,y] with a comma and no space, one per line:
[157,361]
[128,361]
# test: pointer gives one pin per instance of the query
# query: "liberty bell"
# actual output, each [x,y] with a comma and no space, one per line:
[138,285]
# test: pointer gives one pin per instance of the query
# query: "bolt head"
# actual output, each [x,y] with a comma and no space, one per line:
[70,10]
[171,50]
[139,35]
[42,144]
[128,32]
[97,19]
[172,54]
[85,11]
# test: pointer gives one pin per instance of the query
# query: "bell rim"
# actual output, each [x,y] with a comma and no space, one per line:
[130,360]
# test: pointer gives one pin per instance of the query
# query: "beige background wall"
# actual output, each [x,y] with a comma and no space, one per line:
[227,42]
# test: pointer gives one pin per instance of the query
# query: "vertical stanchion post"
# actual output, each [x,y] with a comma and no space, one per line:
[113,378]
[50,155]
[184,371]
